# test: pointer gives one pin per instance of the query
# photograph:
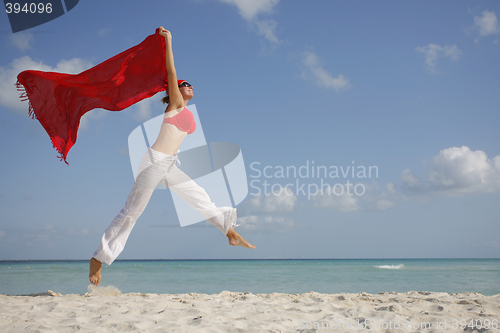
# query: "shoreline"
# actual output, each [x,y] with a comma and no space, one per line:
[113,291]
[250,259]
[105,309]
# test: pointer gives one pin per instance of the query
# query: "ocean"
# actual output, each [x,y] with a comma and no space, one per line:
[291,276]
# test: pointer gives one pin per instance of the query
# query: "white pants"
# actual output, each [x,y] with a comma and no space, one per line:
[158,167]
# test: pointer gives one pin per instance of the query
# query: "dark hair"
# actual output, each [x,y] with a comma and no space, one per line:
[165,99]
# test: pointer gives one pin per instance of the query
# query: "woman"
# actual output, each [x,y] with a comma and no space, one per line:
[159,165]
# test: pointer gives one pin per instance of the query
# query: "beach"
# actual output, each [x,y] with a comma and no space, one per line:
[368,295]
[106,309]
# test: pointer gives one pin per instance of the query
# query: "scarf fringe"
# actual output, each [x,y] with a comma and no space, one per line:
[23,95]
[61,155]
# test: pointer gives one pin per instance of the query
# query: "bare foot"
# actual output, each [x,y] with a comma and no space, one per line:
[95,271]
[235,239]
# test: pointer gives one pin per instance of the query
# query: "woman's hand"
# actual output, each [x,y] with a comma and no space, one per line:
[165,33]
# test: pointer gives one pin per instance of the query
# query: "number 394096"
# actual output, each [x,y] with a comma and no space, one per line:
[32,8]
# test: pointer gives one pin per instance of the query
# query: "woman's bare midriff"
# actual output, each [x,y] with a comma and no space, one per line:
[170,138]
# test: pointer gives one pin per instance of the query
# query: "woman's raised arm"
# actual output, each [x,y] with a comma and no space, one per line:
[175,96]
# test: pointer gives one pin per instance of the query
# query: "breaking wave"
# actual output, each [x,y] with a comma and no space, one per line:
[400,266]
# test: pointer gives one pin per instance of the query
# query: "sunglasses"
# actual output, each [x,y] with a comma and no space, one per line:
[184,84]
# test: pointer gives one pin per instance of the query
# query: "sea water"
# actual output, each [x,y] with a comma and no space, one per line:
[257,276]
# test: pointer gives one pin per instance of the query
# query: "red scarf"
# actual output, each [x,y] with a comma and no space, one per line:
[59,100]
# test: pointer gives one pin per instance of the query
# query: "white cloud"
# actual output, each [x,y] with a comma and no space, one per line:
[268,223]
[72,66]
[433,52]
[267,29]
[353,197]
[82,232]
[487,23]
[456,171]
[313,71]
[384,204]
[285,202]
[143,110]
[250,9]
[93,114]
[2,233]
[255,212]
[343,203]
[22,40]
[104,32]
[123,150]
[9,96]
[41,235]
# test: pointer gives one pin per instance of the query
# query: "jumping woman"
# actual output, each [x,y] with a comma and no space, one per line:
[159,165]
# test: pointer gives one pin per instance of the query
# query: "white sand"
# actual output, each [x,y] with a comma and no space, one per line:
[106,310]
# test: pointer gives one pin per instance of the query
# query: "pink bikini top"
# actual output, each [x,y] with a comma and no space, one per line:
[184,121]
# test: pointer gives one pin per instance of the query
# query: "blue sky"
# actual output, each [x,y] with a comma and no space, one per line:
[408,88]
